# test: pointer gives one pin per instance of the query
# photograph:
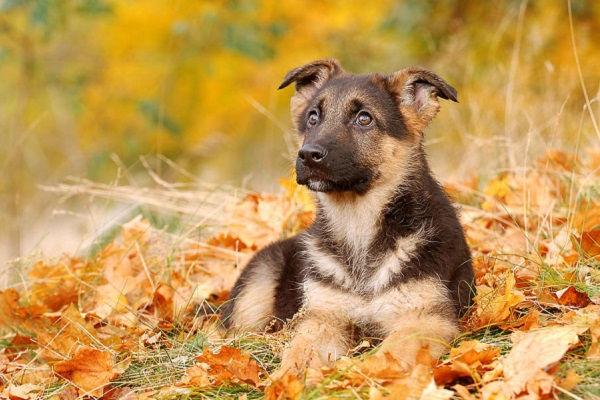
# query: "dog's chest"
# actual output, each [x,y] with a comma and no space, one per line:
[370,274]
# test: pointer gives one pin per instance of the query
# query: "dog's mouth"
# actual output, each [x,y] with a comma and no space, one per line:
[328,186]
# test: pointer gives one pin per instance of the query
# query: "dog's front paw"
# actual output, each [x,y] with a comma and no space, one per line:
[297,359]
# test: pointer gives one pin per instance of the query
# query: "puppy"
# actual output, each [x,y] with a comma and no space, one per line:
[386,253]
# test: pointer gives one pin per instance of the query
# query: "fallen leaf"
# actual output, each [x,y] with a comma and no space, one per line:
[419,385]
[593,353]
[559,160]
[570,380]
[288,387]
[12,315]
[494,307]
[67,334]
[590,243]
[530,320]
[571,297]
[230,364]
[380,367]
[69,393]
[535,350]
[120,393]
[470,359]
[196,376]
[89,369]
[496,391]
[22,392]
[57,285]
[587,217]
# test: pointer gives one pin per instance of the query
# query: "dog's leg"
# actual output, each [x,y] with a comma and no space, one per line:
[411,334]
[321,337]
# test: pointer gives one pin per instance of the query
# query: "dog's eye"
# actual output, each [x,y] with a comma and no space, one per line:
[313,118]
[364,119]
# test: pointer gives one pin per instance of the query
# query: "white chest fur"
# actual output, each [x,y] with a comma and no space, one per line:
[376,274]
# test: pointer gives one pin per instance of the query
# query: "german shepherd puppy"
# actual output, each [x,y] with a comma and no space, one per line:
[386,252]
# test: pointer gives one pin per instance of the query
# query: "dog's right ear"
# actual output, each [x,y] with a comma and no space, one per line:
[308,79]
[312,75]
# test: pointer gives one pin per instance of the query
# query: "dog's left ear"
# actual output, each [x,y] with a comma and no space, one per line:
[416,91]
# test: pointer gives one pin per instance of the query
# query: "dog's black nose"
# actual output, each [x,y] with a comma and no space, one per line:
[312,154]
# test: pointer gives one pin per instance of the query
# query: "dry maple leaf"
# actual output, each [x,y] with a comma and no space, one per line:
[13,316]
[419,385]
[590,243]
[288,387]
[593,353]
[58,285]
[381,367]
[21,392]
[10,312]
[470,359]
[494,307]
[571,297]
[70,331]
[534,351]
[570,380]
[89,369]
[197,376]
[230,364]
[259,219]
[587,217]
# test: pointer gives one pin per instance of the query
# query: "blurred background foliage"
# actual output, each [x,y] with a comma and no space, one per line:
[87,86]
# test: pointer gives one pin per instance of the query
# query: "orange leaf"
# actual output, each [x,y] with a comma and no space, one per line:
[196,376]
[570,380]
[230,364]
[70,331]
[89,369]
[594,350]
[474,352]
[587,218]
[13,316]
[466,360]
[381,367]
[288,387]
[56,286]
[10,312]
[590,243]
[571,297]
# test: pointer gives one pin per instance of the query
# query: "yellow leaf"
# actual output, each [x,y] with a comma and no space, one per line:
[495,307]
[89,369]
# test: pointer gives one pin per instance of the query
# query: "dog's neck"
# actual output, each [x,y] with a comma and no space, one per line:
[354,221]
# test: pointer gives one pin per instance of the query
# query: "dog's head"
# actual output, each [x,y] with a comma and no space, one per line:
[358,129]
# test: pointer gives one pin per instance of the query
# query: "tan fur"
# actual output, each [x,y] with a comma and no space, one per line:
[321,337]
[408,316]
[254,308]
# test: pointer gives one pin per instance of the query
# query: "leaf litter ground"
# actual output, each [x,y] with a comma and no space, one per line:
[139,317]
